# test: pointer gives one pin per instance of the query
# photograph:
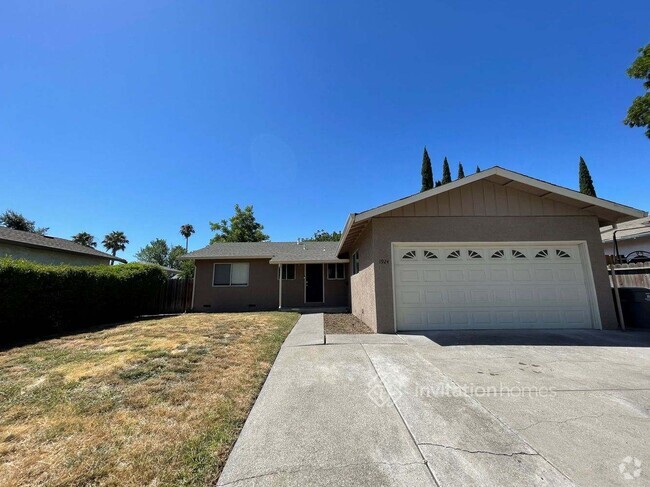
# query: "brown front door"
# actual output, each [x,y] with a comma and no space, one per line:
[313,283]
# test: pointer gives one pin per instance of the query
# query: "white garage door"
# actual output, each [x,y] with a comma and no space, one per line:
[475,286]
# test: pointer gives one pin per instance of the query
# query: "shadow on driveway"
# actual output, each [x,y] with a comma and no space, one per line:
[584,338]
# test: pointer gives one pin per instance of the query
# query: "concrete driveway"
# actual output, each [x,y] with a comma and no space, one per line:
[450,409]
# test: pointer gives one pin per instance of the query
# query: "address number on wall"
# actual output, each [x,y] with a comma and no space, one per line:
[384,261]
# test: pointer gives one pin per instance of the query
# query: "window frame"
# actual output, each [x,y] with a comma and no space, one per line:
[231,264]
[337,266]
[355,262]
[283,269]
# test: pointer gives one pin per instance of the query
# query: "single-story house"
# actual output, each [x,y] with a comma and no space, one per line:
[496,249]
[632,236]
[44,249]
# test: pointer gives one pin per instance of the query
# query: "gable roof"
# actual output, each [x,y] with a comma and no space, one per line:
[275,252]
[607,212]
[28,239]
[627,231]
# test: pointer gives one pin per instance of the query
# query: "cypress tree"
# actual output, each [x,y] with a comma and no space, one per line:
[586,183]
[438,183]
[427,172]
[478,169]
[446,173]
[461,172]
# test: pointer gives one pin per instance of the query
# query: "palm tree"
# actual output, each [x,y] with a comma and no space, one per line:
[85,239]
[115,241]
[186,231]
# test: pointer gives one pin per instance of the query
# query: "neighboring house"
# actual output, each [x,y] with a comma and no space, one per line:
[49,250]
[496,249]
[631,236]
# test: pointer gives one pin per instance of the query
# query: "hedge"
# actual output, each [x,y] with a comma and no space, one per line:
[38,300]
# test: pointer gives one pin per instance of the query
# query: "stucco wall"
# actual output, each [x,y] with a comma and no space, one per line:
[45,256]
[362,285]
[262,292]
[478,229]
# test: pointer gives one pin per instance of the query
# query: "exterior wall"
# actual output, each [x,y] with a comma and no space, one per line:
[362,285]
[628,245]
[262,292]
[479,229]
[46,256]
[484,198]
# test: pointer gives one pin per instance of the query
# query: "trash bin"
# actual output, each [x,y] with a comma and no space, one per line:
[635,302]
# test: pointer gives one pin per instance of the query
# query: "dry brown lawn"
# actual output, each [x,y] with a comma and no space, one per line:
[344,323]
[148,403]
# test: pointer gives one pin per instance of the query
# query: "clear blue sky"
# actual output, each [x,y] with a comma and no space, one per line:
[142,116]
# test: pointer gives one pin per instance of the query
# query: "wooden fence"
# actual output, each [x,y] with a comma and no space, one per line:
[631,275]
[175,296]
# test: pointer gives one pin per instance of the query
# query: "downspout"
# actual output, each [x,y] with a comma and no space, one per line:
[280,286]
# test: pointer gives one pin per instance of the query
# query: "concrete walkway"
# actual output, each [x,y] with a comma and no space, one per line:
[378,410]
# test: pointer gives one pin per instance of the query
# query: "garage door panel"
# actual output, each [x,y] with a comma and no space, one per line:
[474,287]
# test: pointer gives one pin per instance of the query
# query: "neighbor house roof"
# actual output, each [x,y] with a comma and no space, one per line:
[28,239]
[276,252]
[607,212]
[627,230]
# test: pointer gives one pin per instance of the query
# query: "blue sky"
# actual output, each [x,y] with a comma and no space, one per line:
[142,116]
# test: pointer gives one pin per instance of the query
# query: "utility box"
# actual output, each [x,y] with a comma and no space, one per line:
[635,302]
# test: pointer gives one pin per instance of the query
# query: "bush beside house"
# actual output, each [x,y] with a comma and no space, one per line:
[38,300]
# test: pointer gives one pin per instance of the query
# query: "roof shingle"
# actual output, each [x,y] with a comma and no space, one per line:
[276,252]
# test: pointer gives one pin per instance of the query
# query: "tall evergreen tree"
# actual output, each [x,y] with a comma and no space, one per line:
[478,169]
[446,173]
[586,183]
[427,172]
[438,183]
[461,172]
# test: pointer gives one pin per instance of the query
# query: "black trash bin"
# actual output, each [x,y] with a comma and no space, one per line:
[635,302]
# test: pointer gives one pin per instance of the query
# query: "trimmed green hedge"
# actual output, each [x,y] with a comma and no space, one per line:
[38,300]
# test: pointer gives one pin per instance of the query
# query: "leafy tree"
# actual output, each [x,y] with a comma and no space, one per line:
[187,231]
[478,169]
[85,239]
[115,241]
[173,260]
[323,236]
[461,172]
[638,115]
[155,252]
[446,173]
[16,221]
[242,227]
[427,172]
[438,183]
[586,184]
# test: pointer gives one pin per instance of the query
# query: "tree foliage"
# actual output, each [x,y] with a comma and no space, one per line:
[446,173]
[478,169]
[638,115]
[16,221]
[85,239]
[241,227]
[323,236]
[461,172]
[155,252]
[586,183]
[426,171]
[115,241]
[187,231]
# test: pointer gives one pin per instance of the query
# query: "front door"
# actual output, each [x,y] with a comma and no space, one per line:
[313,283]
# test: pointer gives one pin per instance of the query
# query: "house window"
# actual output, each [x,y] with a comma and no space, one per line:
[288,272]
[335,271]
[355,262]
[235,274]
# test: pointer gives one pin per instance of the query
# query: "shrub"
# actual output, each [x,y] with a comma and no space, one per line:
[38,300]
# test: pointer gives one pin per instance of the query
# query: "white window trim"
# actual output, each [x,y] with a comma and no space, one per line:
[336,274]
[214,270]
[282,266]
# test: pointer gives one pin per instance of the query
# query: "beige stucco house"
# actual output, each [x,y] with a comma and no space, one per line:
[44,249]
[495,250]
